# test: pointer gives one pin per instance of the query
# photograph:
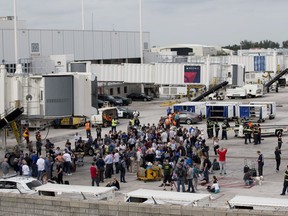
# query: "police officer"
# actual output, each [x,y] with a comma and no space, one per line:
[113,125]
[285,184]
[236,129]
[247,133]
[217,128]
[224,130]
[255,134]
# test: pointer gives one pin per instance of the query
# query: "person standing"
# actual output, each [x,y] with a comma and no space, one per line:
[180,172]
[217,128]
[5,167]
[26,136]
[222,159]
[76,138]
[224,130]
[279,140]
[101,168]
[255,134]
[88,129]
[109,165]
[116,160]
[98,132]
[94,174]
[122,168]
[190,174]
[215,144]
[39,146]
[59,171]
[113,125]
[285,183]
[40,166]
[25,169]
[260,161]
[67,163]
[277,153]
[247,133]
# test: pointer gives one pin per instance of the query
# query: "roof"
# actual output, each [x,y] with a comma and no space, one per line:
[167,195]
[75,189]
[24,179]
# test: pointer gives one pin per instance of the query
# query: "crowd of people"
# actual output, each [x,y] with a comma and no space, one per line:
[181,153]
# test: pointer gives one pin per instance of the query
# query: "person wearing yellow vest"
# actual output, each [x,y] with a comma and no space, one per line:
[113,125]
[88,129]
[26,135]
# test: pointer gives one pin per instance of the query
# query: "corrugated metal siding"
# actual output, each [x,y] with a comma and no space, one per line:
[115,43]
[112,73]
[8,45]
[106,45]
[58,42]
[123,44]
[1,47]
[137,73]
[78,45]
[88,45]
[46,40]
[23,38]
[131,45]
[98,45]
[68,40]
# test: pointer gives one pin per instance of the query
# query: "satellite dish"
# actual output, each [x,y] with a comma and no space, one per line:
[29,97]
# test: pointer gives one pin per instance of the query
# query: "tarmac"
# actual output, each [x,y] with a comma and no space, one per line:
[231,184]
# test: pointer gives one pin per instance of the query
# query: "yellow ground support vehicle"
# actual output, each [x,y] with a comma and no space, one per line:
[71,121]
[150,174]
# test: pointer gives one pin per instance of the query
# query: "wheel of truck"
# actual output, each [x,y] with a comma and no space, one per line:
[90,151]
[11,159]
[218,98]
[188,121]
[210,98]
[229,97]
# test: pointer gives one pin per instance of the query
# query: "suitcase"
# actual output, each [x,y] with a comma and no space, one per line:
[246,167]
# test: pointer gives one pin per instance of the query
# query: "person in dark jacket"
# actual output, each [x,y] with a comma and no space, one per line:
[277,153]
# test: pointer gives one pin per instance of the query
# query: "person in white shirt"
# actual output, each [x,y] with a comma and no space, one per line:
[116,160]
[40,166]
[67,163]
[25,169]
[164,137]
[76,138]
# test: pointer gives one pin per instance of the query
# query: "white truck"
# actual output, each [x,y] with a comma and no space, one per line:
[254,90]
[271,108]
[104,116]
[267,130]
[216,96]
[237,92]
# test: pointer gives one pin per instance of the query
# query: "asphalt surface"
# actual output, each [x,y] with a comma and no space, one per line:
[231,184]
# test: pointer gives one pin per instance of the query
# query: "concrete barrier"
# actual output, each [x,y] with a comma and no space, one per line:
[27,205]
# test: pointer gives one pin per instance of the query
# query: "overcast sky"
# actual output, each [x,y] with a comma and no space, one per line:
[209,22]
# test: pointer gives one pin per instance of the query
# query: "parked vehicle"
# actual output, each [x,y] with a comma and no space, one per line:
[19,184]
[253,112]
[100,103]
[189,117]
[216,96]
[113,101]
[139,96]
[268,130]
[104,116]
[221,110]
[237,92]
[125,112]
[126,101]
[254,90]
[195,107]
[69,122]
[271,108]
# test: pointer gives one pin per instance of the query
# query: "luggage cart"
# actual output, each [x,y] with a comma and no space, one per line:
[80,158]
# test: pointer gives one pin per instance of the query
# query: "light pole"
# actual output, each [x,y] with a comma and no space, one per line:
[140,31]
[15,33]
[83,25]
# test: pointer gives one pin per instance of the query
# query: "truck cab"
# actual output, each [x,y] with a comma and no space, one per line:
[216,96]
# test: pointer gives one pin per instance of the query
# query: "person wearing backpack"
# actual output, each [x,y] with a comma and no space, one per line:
[180,172]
